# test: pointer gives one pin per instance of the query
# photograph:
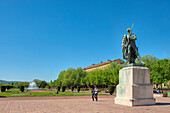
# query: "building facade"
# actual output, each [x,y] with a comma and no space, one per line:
[102,65]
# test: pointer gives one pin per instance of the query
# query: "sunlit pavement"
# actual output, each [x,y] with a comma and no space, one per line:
[77,104]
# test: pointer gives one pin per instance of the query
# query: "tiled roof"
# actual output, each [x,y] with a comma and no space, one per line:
[104,63]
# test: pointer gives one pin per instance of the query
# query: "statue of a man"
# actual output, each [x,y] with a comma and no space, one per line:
[129,49]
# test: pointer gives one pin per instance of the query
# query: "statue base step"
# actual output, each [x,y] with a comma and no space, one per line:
[135,102]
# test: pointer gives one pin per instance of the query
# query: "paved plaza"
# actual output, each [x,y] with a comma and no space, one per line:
[76,104]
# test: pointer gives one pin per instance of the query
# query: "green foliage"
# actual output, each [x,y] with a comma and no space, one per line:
[116,74]
[108,75]
[71,77]
[57,82]
[111,89]
[168,84]
[1,84]
[52,84]
[78,77]
[149,60]
[19,84]
[8,87]
[3,88]
[43,84]
[22,88]
[160,72]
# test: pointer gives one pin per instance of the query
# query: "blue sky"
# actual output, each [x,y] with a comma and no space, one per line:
[40,38]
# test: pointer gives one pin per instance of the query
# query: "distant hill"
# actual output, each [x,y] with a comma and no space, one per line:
[7,82]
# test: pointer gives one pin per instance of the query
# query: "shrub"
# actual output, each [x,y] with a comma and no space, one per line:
[165,94]
[49,87]
[168,94]
[72,88]
[78,88]
[3,88]
[8,87]
[86,89]
[22,88]
[168,84]
[82,89]
[111,89]
[58,88]
[63,88]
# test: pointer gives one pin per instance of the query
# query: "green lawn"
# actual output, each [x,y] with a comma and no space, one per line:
[17,93]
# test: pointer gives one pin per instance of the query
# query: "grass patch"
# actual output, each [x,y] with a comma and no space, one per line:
[17,93]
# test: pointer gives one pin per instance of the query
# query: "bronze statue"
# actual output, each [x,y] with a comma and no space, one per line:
[129,49]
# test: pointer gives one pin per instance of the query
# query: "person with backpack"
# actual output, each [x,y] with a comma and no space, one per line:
[92,92]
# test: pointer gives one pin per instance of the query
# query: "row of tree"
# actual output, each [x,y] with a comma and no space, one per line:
[40,84]
[78,77]
[160,73]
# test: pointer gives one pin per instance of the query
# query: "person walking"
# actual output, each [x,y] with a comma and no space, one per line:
[92,92]
[96,92]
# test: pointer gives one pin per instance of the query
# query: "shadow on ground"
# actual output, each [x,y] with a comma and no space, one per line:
[2,96]
[162,103]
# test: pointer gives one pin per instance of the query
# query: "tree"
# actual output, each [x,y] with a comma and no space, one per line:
[8,86]
[73,77]
[52,83]
[37,81]
[78,88]
[43,84]
[160,72]
[22,88]
[19,84]
[16,84]
[63,88]
[72,88]
[58,83]
[113,70]
[65,80]
[149,60]
[111,89]
[87,80]
[80,78]
[107,76]
[116,74]
[91,77]
[3,88]
[99,77]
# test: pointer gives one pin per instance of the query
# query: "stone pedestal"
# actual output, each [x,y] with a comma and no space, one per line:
[134,87]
